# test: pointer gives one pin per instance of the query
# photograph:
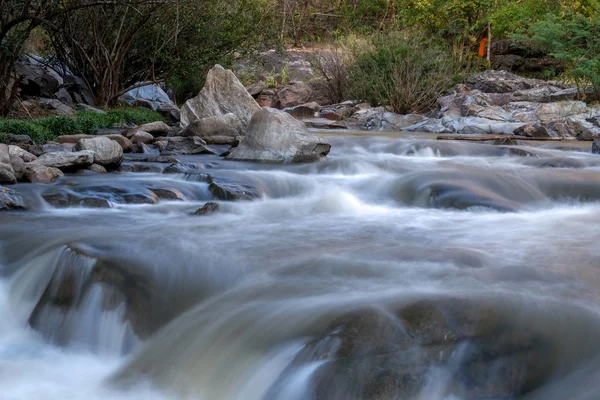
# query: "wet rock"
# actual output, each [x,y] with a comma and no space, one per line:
[97,168]
[222,94]
[11,200]
[7,173]
[22,154]
[168,194]
[276,137]
[376,353]
[146,197]
[158,159]
[95,202]
[596,147]
[107,153]
[307,110]
[68,161]
[220,129]
[231,190]
[533,130]
[184,168]
[140,167]
[208,208]
[491,81]
[38,173]
[142,137]
[187,145]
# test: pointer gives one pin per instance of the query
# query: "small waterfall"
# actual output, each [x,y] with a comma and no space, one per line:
[70,305]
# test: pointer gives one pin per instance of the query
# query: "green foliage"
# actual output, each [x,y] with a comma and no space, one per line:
[85,122]
[403,71]
[574,39]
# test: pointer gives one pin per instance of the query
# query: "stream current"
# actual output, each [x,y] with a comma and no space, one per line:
[398,268]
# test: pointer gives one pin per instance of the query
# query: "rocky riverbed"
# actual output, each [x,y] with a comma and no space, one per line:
[397,267]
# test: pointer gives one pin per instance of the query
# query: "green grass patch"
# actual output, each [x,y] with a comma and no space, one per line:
[84,122]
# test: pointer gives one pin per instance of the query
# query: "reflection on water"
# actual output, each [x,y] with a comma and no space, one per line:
[398,268]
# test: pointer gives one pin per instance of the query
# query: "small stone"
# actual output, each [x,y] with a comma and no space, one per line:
[97,168]
[208,208]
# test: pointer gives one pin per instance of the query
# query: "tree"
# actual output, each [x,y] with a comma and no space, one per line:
[18,19]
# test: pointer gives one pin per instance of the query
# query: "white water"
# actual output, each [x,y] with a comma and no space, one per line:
[236,305]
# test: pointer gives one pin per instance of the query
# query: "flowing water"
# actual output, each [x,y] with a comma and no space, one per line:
[400,268]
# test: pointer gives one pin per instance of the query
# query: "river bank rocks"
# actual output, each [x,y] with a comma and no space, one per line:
[222,94]
[275,136]
[107,153]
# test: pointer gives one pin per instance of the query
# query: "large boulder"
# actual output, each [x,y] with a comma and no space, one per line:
[276,137]
[220,129]
[67,161]
[38,173]
[297,93]
[16,151]
[491,81]
[107,152]
[7,173]
[142,137]
[222,93]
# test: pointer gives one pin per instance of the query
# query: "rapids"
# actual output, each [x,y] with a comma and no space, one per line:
[399,268]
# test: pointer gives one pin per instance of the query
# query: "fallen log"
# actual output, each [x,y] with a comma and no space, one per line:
[482,138]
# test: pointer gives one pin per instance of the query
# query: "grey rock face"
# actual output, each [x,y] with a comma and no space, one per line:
[222,93]
[107,152]
[275,136]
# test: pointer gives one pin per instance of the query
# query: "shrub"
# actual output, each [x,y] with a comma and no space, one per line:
[403,71]
[332,64]
[86,122]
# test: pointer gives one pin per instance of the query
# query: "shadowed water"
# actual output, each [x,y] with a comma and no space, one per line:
[399,268]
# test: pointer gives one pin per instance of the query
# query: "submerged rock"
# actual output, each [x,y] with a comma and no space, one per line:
[208,208]
[11,200]
[276,137]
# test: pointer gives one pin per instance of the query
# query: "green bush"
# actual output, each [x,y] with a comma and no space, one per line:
[403,71]
[85,122]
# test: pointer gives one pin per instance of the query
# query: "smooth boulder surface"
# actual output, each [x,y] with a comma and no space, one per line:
[142,137]
[7,173]
[274,136]
[222,94]
[68,161]
[125,143]
[38,173]
[107,152]
[157,128]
